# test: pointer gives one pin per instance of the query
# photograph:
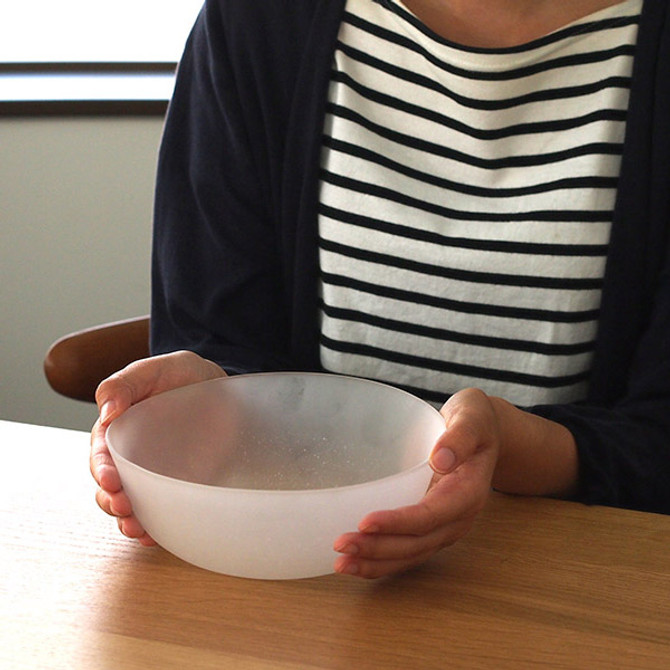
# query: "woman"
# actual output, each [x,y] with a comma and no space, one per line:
[466,199]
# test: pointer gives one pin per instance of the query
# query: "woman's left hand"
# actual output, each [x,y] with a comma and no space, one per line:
[488,443]
[464,460]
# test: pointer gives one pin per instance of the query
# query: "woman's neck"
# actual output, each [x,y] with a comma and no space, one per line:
[500,23]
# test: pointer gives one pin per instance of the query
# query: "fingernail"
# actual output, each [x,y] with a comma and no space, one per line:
[369,528]
[348,569]
[106,411]
[443,460]
[349,549]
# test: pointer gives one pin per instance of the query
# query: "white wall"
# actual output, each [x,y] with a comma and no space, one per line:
[75,227]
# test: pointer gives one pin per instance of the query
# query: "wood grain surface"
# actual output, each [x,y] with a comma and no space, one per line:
[537,584]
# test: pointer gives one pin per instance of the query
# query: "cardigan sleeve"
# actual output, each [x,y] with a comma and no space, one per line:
[216,279]
[624,447]
[623,431]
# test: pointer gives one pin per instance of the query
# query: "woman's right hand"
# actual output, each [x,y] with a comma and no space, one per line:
[138,381]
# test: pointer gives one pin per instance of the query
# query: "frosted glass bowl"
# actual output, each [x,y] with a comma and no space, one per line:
[256,475]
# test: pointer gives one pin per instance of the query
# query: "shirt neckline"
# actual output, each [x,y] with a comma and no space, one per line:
[614,13]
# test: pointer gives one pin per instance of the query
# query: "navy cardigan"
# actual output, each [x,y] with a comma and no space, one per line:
[235,234]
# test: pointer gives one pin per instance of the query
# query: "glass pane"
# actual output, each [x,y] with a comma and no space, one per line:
[76,31]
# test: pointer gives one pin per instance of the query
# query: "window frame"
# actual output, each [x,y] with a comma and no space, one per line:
[118,78]
[121,98]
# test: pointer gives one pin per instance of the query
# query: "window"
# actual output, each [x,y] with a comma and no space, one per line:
[69,31]
[89,56]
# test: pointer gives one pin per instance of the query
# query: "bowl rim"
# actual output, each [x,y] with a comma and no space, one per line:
[283,492]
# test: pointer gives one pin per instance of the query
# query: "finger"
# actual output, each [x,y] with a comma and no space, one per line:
[380,547]
[100,461]
[345,565]
[151,376]
[147,541]
[115,504]
[131,528]
[117,393]
[396,547]
[119,506]
[372,556]
[470,426]
[110,497]
[457,495]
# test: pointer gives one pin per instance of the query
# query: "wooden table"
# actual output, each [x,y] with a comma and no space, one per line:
[537,584]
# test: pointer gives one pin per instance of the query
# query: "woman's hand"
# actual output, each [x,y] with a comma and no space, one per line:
[136,382]
[463,459]
[487,443]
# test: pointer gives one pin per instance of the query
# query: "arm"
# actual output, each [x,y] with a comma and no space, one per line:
[212,254]
[216,275]
[537,456]
[622,434]
[624,445]
[487,442]
[616,454]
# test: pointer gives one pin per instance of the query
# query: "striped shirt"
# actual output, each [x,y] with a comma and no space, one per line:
[466,202]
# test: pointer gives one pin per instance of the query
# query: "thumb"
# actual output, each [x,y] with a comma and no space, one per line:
[150,376]
[135,382]
[452,448]
[113,396]
[468,419]
[126,387]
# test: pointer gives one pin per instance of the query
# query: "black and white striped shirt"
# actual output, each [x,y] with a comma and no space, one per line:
[466,201]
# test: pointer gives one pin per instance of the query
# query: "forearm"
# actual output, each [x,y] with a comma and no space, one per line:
[537,456]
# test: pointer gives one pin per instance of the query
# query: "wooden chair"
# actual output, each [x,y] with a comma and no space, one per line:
[76,363]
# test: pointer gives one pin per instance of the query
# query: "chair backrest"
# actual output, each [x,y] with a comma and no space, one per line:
[76,363]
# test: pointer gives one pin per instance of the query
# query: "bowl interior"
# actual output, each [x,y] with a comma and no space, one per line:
[278,431]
